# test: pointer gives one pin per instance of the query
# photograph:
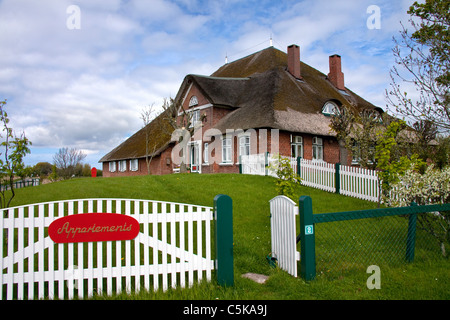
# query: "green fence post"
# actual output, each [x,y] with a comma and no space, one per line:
[299,162]
[411,237]
[223,211]
[337,178]
[307,239]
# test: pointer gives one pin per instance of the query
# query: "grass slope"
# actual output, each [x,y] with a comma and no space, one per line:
[251,195]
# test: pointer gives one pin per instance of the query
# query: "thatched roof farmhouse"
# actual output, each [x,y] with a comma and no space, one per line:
[263,97]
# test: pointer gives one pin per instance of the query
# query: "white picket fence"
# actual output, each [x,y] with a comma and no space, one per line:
[359,183]
[318,174]
[254,164]
[173,248]
[283,212]
[353,181]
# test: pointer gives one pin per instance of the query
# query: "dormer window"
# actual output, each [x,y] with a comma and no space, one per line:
[193,102]
[330,108]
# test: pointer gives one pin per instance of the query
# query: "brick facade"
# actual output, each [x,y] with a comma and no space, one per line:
[211,115]
[163,163]
[267,89]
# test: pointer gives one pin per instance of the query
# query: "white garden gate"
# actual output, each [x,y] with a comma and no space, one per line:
[283,212]
[173,248]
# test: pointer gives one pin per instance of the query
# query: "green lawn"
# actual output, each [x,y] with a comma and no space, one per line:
[423,279]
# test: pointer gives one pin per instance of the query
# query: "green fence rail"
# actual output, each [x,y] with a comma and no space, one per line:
[389,235]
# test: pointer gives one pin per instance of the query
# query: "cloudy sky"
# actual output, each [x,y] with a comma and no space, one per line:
[78,73]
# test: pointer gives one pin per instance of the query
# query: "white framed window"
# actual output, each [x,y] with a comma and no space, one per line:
[112,166]
[195,118]
[244,145]
[226,150]
[317,148]
[297,147]
[123,165]
[193,101]
[206,153]
[356,154]
[330,108]
[134,165]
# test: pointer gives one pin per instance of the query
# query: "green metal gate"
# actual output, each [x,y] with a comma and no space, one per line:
[393,227]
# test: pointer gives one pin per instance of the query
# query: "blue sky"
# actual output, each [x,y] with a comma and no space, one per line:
[86,87]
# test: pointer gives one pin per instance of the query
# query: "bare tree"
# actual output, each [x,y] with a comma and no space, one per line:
[150,144]
[342,123]
[183,121]
[420,88]
[357,131]
[66,161]
[180,118]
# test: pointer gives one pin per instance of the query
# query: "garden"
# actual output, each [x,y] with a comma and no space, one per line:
[426,278]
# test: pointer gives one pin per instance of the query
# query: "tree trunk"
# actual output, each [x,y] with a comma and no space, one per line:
[343,153]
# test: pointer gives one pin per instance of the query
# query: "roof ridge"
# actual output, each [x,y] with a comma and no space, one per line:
[254,53]
[219,78]
[257,62]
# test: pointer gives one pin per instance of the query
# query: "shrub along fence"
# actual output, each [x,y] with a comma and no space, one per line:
[346,180]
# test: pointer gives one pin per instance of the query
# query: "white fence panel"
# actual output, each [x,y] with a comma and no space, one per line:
[283,212]
[318,174]
[254,164]
[359,183]
[354,181]
[165,253]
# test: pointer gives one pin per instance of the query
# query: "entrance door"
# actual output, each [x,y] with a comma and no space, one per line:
[194,151]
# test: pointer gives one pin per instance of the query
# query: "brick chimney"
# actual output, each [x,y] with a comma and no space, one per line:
[293,52]
[336,76]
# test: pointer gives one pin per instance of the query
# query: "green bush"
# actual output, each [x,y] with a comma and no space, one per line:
[287,178]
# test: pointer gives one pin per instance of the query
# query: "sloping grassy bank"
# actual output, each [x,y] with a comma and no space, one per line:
[251,195]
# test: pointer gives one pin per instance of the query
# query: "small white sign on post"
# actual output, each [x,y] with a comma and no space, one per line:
[309,229]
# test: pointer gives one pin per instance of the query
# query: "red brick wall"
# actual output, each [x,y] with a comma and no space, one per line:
[163,164]
[194,91]
[331,150]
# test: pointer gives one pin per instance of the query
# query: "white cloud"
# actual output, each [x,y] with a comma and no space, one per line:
[85,88]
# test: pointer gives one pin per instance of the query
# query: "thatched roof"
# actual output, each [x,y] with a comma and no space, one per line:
[262,94]
[158,132]
[273,98]
[220,91]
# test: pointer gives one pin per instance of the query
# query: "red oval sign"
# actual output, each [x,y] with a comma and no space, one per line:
[91,227]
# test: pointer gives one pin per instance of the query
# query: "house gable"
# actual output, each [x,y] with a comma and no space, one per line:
[193,97]
[255,92]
